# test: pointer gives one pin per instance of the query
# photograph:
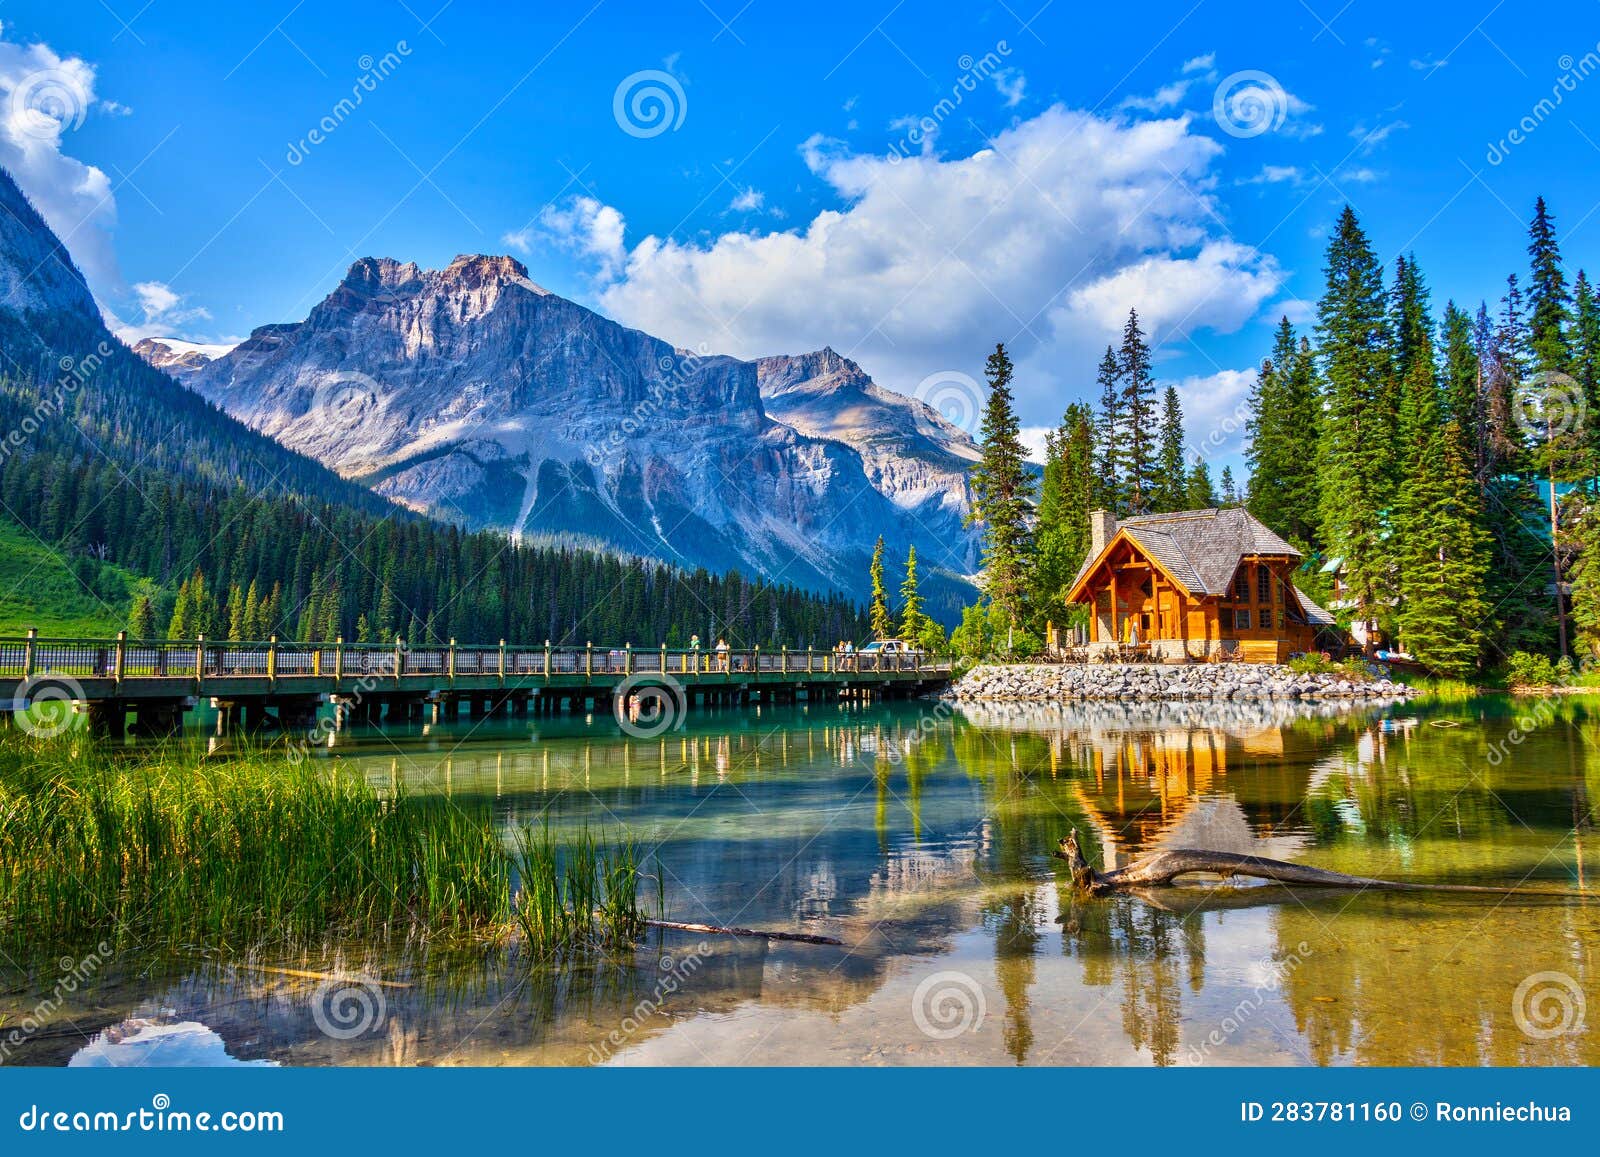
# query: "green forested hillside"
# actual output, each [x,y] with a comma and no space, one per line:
[38,588]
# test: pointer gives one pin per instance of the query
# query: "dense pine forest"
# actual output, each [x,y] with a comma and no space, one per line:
[1445,462]
[118,469]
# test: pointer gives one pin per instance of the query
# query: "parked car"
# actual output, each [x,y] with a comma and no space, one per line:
[883,647]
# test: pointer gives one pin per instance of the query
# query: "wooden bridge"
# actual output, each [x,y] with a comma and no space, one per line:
[285,684]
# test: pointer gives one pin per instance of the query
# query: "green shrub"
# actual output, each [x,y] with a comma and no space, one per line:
[1525,670]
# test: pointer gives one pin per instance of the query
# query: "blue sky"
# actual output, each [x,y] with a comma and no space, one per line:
[808,187]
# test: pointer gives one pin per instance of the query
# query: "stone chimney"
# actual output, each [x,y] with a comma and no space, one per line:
[1102,529]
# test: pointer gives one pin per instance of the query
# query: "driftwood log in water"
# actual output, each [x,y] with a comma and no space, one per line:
[1162,868]
[718,930]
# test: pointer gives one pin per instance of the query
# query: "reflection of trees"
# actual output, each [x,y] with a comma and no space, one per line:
[1431,980]
[1146,951]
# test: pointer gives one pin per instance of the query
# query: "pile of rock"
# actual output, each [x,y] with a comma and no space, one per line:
[1136,681]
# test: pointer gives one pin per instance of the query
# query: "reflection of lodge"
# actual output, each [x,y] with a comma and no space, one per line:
[1224,789]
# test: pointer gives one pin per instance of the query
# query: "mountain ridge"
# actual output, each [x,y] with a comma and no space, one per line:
[473,394]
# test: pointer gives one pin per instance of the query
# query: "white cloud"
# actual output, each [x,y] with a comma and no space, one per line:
[1276,175]
[586,227]
[45,97]
[1368,139]
[1200,63]
[748,201]
[1166,97]
[1214,412]
[1033,440]
[1011,83]
[1043,240]
[155,297]
[163,314]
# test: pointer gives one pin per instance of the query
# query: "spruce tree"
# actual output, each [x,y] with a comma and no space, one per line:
[1002,487]
[913,622]
[1202,496]
[1461,402]
[1230,492]
[1586,363]
[1138,411]
[1282,450]
[1585,578]
[882,621]
[1108,434]
[1357,447]
[1061,537]
[142,618]
[1171,478]
[1554,417]
[1445,564]
[1549,307]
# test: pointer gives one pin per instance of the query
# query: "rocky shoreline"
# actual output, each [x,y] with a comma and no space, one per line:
[1153,681]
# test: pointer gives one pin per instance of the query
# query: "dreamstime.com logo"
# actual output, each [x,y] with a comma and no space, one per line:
[345,1008]
[1549,405]
[74,974]
[1249,103]
[49,102]
[45,706]
[952,395]
[159,1117]
[649,705]
[648,103]
[345,399]
[947,1004]
[1547,1005]
[675,973]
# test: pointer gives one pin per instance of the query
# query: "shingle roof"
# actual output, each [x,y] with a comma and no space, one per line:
[1315,615]
[1200,548]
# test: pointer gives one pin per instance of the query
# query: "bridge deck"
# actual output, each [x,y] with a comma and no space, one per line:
[129,670]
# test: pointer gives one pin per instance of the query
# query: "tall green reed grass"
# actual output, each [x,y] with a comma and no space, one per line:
[172,848]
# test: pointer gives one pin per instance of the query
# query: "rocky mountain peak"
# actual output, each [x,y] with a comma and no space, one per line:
[175,357]
[36,272]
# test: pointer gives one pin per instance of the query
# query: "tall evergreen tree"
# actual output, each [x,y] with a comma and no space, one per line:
[1069,490]
[1461,402]
[913,623]
[878,610]
[1586,363]
[1444,570]
[1358,426]
[1230,492]
[1002,487]
[1138,410]
[1282,450]
[1202,496]
[1108,434]
[142,618]
[1549,306]
[1171,477]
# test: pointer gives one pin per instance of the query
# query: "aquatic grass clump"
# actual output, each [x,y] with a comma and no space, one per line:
[172,848]
[580,895]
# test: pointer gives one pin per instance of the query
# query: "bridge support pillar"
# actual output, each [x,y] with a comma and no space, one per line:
[108,717]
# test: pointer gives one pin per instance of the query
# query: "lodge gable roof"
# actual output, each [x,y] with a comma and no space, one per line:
[1201,549]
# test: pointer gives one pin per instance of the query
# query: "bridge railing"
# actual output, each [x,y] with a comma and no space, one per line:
[203,659]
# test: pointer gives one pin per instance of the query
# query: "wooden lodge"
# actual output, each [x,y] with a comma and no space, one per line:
[1196,585]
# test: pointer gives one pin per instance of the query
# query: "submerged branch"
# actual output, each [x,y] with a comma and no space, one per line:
[719,930]
[1160,869]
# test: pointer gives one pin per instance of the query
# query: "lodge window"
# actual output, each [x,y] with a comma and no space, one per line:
[1225,618]
[1241,619]
[1241,584]
[1264,585]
